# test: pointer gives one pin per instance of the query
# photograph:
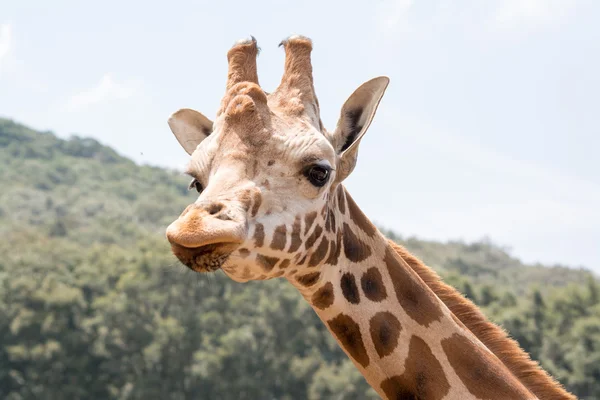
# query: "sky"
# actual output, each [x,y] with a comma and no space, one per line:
[490,126]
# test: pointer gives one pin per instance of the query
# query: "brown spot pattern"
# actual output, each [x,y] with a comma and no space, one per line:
[295,236]
[349,288]
[330,223]
[336,250]
[372,285]
[309,279]
[246,274]
[257,202]
[309,219]
[246,200]
[259,235]
[354,249]
[341,197]
[385,330]
[347,332]
[323,297]
[493,337]
[332,217]
[319,254]
[414,296]
[267,263]
[482,373]
[359,218]
[310,241]
[279,238]
[244,253]
[423,376]
[284,264]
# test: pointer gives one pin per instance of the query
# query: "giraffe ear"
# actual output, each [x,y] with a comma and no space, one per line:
[190,128]
[356,116]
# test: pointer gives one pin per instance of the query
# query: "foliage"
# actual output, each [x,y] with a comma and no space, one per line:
[92,304]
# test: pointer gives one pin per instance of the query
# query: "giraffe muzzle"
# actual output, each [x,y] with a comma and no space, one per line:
[205,235]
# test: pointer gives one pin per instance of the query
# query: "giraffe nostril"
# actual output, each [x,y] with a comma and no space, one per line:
[214,208]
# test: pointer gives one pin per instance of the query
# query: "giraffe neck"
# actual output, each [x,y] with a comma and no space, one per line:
[398,333]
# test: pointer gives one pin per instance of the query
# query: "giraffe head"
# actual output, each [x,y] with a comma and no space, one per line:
[267,171]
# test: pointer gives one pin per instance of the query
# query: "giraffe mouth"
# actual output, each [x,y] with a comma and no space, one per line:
[207,258]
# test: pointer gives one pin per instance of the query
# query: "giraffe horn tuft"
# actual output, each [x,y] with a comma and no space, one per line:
[242,62]
[296,91]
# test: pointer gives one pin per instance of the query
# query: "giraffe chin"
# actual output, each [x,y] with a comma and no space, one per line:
[208,258]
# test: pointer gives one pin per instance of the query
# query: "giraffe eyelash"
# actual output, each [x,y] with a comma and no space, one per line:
[195,184]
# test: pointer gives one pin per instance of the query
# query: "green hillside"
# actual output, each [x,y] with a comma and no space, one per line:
[94,306]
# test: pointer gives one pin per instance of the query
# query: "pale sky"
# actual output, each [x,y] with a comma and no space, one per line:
[490,126]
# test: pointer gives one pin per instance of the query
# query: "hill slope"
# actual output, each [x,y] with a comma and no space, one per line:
[92,304]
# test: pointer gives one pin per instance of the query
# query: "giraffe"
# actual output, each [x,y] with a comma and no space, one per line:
[272,203]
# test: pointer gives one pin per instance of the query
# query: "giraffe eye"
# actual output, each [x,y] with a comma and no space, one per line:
[318,175]
[194,184]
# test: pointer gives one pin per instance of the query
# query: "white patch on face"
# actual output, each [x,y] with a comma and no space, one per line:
[202,157]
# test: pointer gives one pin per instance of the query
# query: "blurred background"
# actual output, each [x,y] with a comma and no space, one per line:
[482,160]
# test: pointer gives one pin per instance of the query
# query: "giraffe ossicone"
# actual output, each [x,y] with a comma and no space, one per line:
[272,204]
